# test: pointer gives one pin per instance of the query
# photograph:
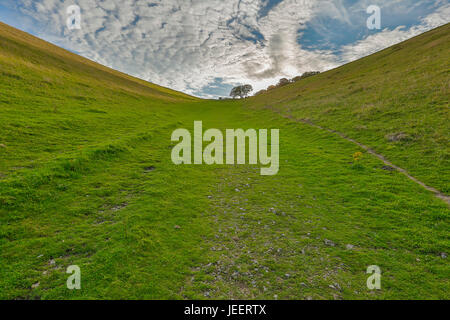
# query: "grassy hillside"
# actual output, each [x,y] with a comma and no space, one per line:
[395,101]
[86,179]
[53,100]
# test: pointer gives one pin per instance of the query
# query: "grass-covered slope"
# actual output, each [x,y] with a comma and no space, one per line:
[395,101]
[86,179]
[52,99]
[20,48]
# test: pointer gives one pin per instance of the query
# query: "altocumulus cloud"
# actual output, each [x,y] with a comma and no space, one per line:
[196,45]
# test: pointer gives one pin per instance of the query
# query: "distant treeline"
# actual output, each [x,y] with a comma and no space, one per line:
[243,91]
[285,81]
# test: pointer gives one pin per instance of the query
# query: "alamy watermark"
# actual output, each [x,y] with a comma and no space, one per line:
[235,145]
[74,281]
[374,21]
[73,17]
[374,281]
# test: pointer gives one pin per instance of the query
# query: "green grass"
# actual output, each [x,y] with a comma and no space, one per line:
[86,178]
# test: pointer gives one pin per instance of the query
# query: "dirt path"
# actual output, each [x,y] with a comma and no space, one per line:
[436,192]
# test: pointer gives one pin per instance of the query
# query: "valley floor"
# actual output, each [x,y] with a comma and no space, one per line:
[140,227]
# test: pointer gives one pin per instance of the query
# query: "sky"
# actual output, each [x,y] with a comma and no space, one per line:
[205,47]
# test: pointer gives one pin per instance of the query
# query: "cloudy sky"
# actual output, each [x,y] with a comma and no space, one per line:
[204,47]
